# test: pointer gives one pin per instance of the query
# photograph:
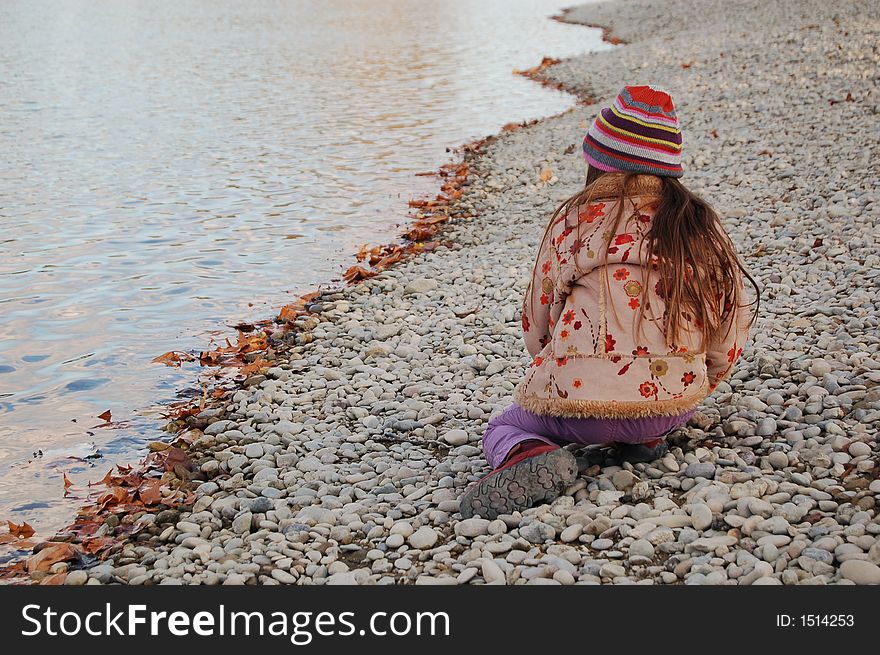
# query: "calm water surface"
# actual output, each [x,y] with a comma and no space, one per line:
[172,168]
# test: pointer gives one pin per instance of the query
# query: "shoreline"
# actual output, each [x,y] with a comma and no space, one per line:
[345,464]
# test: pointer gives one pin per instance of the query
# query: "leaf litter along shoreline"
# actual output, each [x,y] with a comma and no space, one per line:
[164,480]
[345,464]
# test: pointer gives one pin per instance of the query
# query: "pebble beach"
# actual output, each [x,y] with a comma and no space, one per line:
[345,464]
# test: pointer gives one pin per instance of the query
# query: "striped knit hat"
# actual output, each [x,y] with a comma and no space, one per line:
[638,132]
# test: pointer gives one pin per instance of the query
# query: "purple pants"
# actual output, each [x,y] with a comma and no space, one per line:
[516,424]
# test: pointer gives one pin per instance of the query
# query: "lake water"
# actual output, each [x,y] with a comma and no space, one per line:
[169,169]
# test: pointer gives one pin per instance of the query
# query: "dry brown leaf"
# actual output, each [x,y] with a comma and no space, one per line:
[255,366]
[175,456]
[115,496]
[546,174]
[420,232]
[289,312]
[356,273]
[170,358]
[94,545]
[150,492]
[106,416]
[51,554]
[22,531]
[210,358]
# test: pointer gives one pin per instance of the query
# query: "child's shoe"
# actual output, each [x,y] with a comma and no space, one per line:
[534,472]
[646,451]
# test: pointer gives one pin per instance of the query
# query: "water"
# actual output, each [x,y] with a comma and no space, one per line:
[169,169]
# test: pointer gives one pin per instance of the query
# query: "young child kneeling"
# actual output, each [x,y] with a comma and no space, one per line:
[633,315]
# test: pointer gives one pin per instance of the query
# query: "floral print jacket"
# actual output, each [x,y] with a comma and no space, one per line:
[579,320]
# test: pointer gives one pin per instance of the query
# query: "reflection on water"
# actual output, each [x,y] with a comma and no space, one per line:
[170,168]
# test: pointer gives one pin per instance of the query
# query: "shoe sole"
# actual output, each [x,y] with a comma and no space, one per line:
[532,481]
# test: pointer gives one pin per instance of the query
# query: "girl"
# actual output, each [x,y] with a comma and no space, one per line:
[633,315]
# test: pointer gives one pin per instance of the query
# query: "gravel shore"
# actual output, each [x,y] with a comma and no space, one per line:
[346,464]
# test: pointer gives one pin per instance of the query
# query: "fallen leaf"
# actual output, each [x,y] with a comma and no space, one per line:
[252,342]
[688,64]
[255,366]
[420,232]
[289,312]
[67,483]
[385,262]
[818,242]
[150,492]
[356,273]
[546,174]
[105,416]
[176,456]
[210,358]
[714,134]
[170,358]
[115,496]
[22,531]
[94,545]
[51,554]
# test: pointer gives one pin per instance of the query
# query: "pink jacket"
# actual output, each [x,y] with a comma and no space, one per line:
[580,326]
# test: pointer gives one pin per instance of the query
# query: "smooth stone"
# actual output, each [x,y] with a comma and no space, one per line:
[701,516]
[76,578]
[571,533]
[492,573]
[456,437]
[611,570]
[700,470]
[537,532]
[423,538]
[820,368]
[711,543]
[861,572]
[471,528]
[641,548]
[283,576]
[242,523]
[395,540]
[420,285]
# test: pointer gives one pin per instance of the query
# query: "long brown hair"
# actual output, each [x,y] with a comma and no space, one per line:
[685,230]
